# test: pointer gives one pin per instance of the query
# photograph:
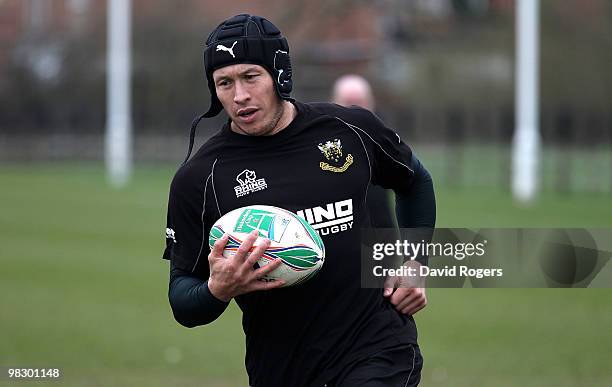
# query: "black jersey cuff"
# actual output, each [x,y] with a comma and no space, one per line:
[191,300]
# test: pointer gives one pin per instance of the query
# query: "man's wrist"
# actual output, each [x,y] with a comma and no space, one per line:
[216,293]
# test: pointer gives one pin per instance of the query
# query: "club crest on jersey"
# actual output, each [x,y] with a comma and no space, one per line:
[249,183]
[332,150]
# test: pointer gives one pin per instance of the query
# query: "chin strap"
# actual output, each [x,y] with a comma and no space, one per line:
[194,125]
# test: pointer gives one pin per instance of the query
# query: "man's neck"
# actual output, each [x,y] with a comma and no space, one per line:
[289,114]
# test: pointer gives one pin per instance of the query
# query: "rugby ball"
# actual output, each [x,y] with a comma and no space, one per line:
[292,240]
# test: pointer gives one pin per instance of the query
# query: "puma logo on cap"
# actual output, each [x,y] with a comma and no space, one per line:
[221,47]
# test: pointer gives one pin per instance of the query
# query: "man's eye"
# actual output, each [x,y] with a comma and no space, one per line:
[250,77]
[223,83]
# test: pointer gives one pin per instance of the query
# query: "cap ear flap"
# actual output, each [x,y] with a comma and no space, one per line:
[283,72]
[215,105]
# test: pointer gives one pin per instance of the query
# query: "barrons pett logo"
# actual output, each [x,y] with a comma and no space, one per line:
[331,219]
[249,183]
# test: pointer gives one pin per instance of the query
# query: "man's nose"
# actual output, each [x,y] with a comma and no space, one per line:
[241,94]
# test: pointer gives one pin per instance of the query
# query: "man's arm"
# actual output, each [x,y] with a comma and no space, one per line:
[196,302]
[415,209]
[192,302]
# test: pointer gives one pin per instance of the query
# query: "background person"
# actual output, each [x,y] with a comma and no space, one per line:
[355,90]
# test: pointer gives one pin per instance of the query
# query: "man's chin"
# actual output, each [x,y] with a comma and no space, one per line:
[251,129]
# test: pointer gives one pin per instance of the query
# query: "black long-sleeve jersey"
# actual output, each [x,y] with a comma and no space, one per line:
[320,167]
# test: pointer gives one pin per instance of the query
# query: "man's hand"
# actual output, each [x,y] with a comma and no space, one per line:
[231,277]
[406,294]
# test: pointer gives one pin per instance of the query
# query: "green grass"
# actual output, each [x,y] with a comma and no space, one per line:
[82,287]
[571,169]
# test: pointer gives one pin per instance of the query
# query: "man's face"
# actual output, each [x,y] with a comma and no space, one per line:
[247,94]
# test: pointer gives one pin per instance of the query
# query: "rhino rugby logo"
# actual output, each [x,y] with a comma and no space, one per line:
[249,183]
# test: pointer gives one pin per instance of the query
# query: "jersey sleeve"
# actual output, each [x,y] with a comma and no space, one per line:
[390,157]
[190,216]
[395,166]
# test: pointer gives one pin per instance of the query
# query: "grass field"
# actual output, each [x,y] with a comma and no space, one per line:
[83,288]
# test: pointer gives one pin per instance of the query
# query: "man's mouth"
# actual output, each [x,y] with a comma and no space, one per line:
[246,112]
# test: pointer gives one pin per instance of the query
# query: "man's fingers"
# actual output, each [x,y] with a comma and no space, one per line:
[390,281]
[246,245]
[410,300]
[389,285]
[413,303]
[255,254]
[399,295]
[219,245]
[414,307]
[267,285]
[268,268]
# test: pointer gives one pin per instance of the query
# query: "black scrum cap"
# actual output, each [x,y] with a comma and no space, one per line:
[247,39]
